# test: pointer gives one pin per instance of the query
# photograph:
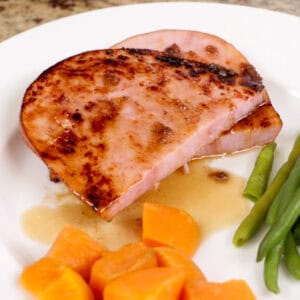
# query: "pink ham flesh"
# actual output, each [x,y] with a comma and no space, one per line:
[258,129]
[112,123]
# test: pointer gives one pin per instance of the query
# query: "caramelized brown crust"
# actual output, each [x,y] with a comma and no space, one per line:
[261,118]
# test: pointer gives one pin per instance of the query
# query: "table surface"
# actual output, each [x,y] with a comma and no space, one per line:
[18,15]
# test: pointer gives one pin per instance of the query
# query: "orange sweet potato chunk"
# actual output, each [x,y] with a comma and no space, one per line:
[38,276]
[229,290]
[128,258]
[69,286]
[76,249]
[156,283]
[171,257]
[48,279]
[169,226]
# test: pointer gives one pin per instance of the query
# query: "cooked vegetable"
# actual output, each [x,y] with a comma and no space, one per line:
[291,255]
[69,286]
[228,290]
[38,276]
[285,194]
[274,256]
[256,217]
[129,258]
[76,249]
[258,180]
[296,232]
[49,279]
[271,267]
[283,225]
[155,283]
[134,272]
[168,226]
[171,257]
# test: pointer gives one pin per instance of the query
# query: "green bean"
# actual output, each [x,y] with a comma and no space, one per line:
[296,232]
[258,180]
[271,267]
[256,217]
[285,194]
[288,244]
[283,225]
[273,209]
[291,255]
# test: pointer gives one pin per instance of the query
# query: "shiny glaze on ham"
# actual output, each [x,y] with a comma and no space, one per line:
[259,128]
[112,123]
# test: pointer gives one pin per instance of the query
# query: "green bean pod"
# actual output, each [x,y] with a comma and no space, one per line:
[296,232]
[271,267]
[256,217]
[258,180]
[285,194]
[283,225]
[291,255]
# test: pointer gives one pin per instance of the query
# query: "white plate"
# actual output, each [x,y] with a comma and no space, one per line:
[270,40]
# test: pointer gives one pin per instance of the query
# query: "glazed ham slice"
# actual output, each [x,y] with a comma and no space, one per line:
[259,128]
[112,123]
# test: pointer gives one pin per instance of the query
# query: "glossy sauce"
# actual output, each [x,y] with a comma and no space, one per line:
[211,196]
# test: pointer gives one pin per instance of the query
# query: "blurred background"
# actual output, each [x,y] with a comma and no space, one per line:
[19,15]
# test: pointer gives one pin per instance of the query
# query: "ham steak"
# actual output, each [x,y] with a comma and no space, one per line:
[257,129]
[112,123]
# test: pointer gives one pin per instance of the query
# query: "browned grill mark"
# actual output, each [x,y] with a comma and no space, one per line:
[110,79]
[88,154]
[109,52]
[112,62]
[161,133]
[100,193]
[53,176]
[86,172]
[133,51]
[181,74]
[77,116]
[173,50]
[247,122]
[61,98]
[66,143]
[250,78]
[265,123]
[123,57]
[212,50]
[89,106]
[194,68]
[81,61]
[153,88]
[107,112]
[173,61]
[206,90]
[47,155]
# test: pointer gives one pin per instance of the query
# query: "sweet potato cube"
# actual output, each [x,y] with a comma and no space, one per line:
[169,226]
[48,279]
[129,258]
[229,290]
[171,257]
[156,283]
[69,286]
[38,276]
[76,249]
